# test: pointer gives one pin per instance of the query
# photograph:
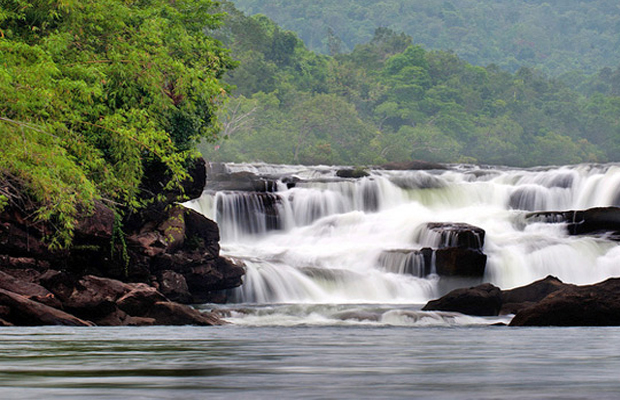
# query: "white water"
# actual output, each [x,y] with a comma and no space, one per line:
[333,231]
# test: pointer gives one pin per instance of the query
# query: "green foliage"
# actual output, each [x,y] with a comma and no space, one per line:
[555,36]
[93,94]
[392,100]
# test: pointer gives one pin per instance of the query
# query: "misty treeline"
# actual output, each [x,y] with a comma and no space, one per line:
[392,100]
[556,36]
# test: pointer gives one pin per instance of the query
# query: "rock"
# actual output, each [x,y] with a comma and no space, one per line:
[29,290]
[95,297]
[168,313]
[96,225]
[173,228]
[139,300]
[243,181]
[581,222]
[352,173]
[522,297]
[591,305]
[413,165]
[481,300]
[460,262]
[25,312]
[174,286]
[453,234]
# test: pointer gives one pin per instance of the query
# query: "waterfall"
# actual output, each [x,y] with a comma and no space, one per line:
[318,238]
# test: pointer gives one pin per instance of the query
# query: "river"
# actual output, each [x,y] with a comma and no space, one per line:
[324,314]
[309,362]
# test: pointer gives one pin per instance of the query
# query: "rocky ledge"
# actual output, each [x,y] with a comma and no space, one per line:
[547,302]
[166,257]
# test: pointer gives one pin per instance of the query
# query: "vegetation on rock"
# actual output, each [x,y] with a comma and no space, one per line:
[94,95]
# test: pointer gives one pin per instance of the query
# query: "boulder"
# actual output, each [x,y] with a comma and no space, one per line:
[95,297]
[590,305]
[525,296]
[29,290]
[352,173]
[174,286]
[581,222]
[481,300]
[25,312]
[453,234]
[460,262]
[139,300]
[169,313]
[243,181]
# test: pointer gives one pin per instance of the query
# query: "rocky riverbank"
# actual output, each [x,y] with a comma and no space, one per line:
[165,257]
[547,302]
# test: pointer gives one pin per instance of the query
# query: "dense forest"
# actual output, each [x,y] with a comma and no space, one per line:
[98,96]
[391,99]
[555,36]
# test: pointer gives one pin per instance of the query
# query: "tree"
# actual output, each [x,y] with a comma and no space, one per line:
[95,94]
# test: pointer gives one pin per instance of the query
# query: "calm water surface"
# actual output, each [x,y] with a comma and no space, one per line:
[309,362]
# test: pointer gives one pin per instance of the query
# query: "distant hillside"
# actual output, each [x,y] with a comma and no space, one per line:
[556,36]
[391,99]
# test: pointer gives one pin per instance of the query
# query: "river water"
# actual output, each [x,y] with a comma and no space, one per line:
[323,315]
[310,362]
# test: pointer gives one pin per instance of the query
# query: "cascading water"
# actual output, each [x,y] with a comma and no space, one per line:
[320,239]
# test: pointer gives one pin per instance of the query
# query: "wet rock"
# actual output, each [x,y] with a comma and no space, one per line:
[243,181]
[352,173]
[453,234]
[481,300]
[525,296]
[169,313]
[25,312]
[590,305]
[460,262]
[581,222]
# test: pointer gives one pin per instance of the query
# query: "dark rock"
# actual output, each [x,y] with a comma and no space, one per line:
[120,318]
[460,262]
[413,165]
[290,181]
[482,300]
[169,313]
[29,290]
[525,296]
[352,173]
[25,312]
[139,300]
[243,181]
[591,305]
[60,283]
[454,234]
[95,297]
[593,220]
[174,286]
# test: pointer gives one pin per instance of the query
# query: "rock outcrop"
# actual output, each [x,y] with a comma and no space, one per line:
[601,220]
[590,305]
[164,255]
[547,302]
[483,300]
